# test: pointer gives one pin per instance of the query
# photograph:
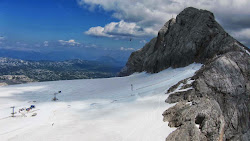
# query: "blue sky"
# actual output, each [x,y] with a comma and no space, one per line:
[106,25]
[36,21]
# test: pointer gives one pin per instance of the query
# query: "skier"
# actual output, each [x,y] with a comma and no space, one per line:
[132,87]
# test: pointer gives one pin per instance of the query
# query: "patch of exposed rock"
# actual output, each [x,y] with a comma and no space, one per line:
[194,36]
[220,98]
[207,123]
[14,79]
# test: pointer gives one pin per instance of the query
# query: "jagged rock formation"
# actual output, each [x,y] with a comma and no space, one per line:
[194,36]
[200,121]
[220,99]
[215,103]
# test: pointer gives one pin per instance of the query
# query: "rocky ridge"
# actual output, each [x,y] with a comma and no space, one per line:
[194,36]
[219,101]
[214,104]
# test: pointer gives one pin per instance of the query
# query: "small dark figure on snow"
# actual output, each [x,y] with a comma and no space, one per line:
[55,99]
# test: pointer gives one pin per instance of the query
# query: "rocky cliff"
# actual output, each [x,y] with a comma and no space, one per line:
[218,105]
[194,36]
[215,103]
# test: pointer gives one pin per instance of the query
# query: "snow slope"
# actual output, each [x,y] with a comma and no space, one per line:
[91,110]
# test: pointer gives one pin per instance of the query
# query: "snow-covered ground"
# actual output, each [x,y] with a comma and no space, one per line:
[91,110]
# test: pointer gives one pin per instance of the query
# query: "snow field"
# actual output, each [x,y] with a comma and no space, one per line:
[93,109]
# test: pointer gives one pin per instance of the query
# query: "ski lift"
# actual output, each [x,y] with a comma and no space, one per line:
[13,111]
[55,99]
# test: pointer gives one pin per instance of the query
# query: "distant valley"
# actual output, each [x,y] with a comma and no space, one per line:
[16,71]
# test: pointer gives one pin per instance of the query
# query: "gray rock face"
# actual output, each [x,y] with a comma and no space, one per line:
[220,98]
[207,123]
[194,36]
[215,103]
[216,106]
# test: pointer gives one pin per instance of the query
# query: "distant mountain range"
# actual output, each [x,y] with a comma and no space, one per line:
[62,54]
[15,71]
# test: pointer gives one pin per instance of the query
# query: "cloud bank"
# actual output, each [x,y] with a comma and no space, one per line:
[243,35]
[46,43]
[2,38]
[120,29]
[69,42]
[127,49]
[146,17]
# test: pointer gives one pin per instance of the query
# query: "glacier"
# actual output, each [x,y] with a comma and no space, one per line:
[91,109]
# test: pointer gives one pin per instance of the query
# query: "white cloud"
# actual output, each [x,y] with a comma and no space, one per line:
[150,15]
[91,46]
[127,49]
[37,45]
[242,35]
[69,42]
[143,41]
[46,43]
[2,38]
[20,44]
[119,29]
[97,31]
[144,10]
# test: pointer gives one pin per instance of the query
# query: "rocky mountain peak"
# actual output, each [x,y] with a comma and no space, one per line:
[165,28]
[215,103]
[194,36]
[191,14]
